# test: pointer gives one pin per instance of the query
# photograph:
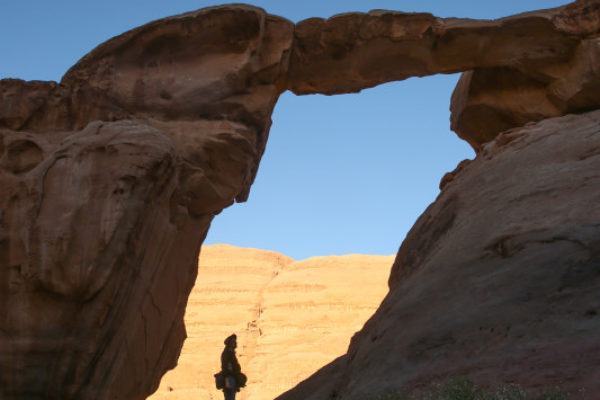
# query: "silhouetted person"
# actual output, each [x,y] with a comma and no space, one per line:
[231,368]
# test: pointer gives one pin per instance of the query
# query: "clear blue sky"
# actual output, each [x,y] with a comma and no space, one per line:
[341,174]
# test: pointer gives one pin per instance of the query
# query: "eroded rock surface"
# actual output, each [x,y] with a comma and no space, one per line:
[497,280]
[526,67]
[491,100]
[111,177]
[109,182]
[291,317]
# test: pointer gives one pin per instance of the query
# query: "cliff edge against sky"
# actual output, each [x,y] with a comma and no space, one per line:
[111,178]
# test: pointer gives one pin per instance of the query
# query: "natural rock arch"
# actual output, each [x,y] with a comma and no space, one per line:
[112,176]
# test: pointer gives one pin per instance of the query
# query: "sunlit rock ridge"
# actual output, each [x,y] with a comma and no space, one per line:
[110,180]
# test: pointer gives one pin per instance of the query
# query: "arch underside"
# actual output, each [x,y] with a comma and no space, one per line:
[111,177]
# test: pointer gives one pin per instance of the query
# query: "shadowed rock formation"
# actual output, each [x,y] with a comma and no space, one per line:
[489,100]
[525,68]
[497,280]
[110,180]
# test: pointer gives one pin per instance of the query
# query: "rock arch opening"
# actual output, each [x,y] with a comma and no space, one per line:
[157,130]
[348,173]
[339,172]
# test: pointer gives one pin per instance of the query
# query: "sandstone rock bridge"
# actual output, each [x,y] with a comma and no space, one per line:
[110,180]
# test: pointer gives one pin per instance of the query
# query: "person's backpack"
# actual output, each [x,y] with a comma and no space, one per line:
[240,380]
[220,380]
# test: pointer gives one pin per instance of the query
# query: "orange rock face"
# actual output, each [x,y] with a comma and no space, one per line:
[291,317]
[491,100]
[111,177]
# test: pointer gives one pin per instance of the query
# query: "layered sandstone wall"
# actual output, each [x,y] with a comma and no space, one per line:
[291,317]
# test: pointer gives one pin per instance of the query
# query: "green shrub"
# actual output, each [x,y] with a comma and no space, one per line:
[460,389]
[463,388]
[554,394]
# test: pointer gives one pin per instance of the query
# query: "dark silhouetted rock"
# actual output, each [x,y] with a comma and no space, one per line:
[497,280]
[109,182]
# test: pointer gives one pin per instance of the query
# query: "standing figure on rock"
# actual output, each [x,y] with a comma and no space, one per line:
[230,367]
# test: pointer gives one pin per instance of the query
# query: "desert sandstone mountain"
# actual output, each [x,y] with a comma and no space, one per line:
[110,180]
[291,317]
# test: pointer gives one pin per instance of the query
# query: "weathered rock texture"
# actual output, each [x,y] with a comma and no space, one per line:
[109,183]
[525,68]
[291,317]
[498,279]
[110,179]
[489,100]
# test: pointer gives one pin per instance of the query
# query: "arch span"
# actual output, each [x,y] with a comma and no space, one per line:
[156,130]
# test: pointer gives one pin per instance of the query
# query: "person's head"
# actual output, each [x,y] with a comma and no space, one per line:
[231,341]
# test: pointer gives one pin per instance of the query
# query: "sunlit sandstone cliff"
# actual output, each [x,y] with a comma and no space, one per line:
[110,180]
[291,317]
